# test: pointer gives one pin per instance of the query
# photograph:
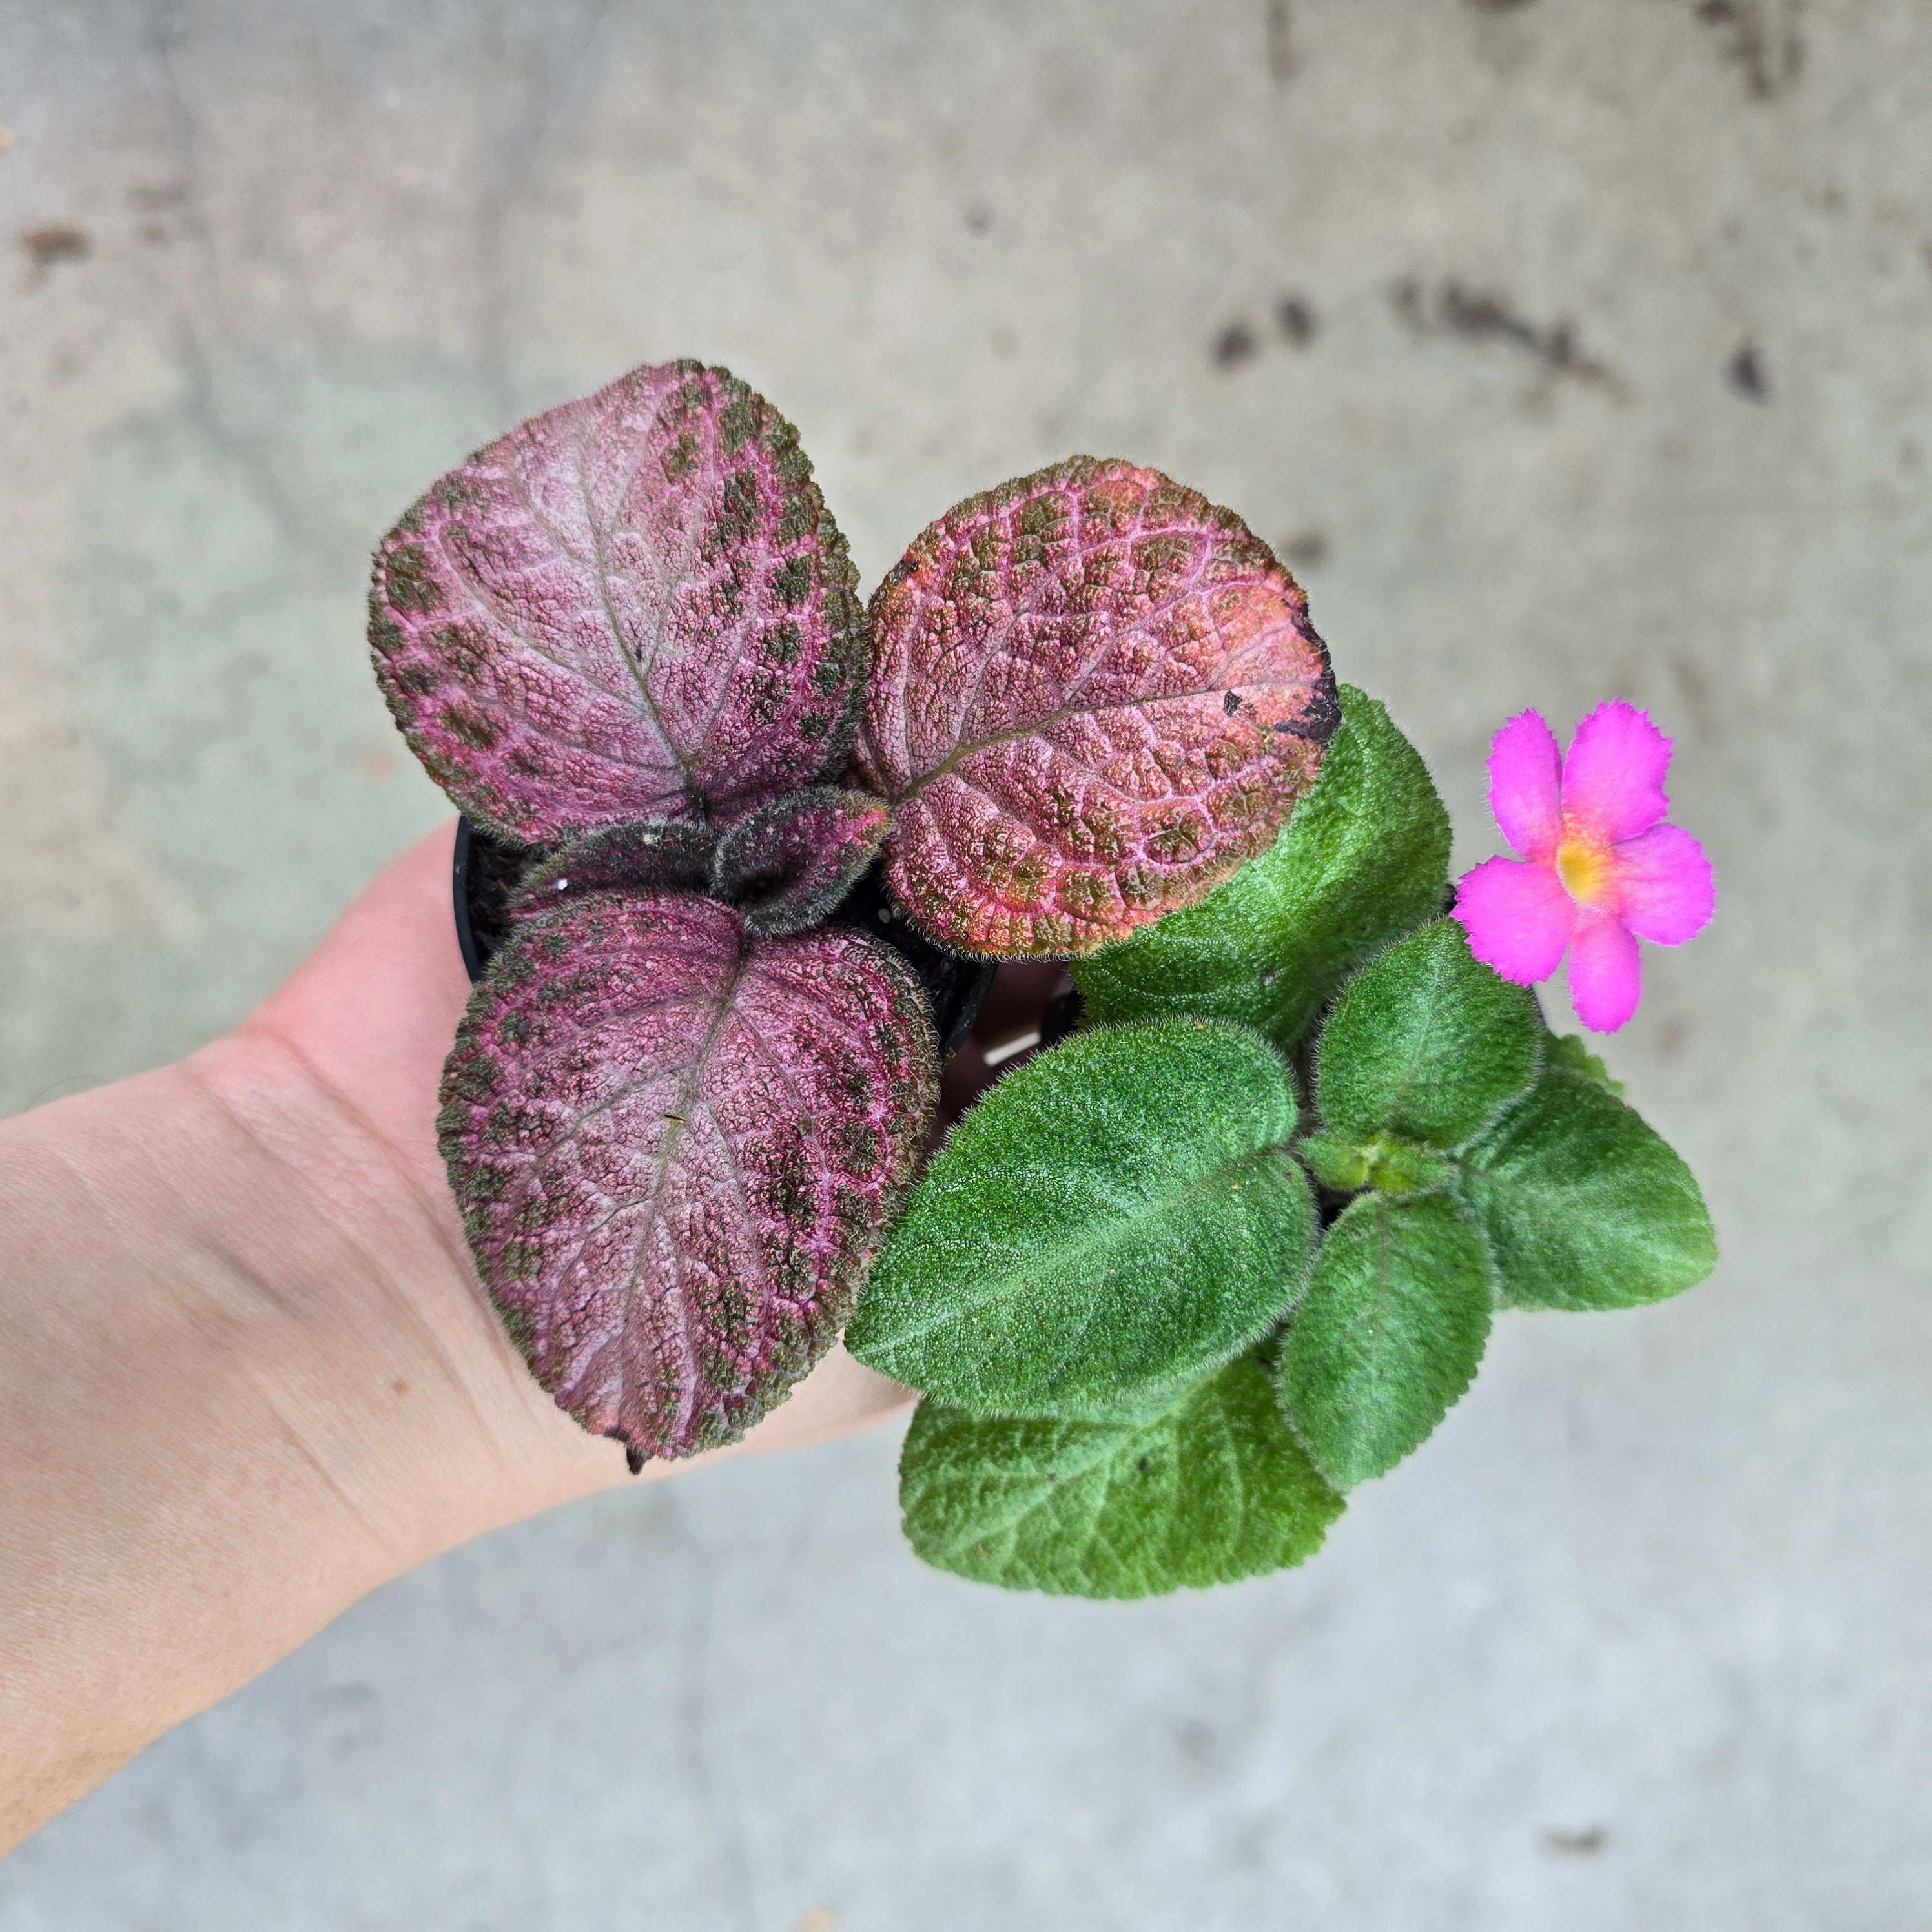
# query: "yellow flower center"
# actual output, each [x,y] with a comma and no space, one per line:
[1584,866]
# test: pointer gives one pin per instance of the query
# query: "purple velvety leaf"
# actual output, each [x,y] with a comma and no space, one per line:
[788,864]
[641,855]
[1095,695]
[676,1148]
[633,606]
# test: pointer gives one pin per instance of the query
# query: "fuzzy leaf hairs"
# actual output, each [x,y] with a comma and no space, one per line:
[690,1093]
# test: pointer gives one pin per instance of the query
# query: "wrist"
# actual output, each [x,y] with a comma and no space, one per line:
[249,1378]
[422,1424]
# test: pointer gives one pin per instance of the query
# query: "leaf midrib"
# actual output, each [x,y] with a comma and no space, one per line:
[1043,1489]
[1151,1207]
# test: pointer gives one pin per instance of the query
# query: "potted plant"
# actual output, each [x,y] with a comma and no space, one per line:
[741,854]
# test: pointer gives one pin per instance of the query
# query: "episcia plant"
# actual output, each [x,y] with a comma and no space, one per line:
[1230,1243]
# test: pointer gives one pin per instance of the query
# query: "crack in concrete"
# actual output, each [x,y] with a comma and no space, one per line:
[204,395]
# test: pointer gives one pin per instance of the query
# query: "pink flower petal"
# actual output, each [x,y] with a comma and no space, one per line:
[1605,979]
[1526,785]
[1518,917]
[1665,892]
[1613,777]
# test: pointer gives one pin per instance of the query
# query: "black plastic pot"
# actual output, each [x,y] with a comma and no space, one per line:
[486,871]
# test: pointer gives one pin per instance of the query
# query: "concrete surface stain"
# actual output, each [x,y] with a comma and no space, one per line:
[57,241]
[1745,372]
[1281,55]
[1236,343]
[1479,316]
[1572,1841]
[1296,320]
[1304,549]
[1763,37]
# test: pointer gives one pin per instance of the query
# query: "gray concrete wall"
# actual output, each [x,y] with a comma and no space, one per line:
[1641,1638]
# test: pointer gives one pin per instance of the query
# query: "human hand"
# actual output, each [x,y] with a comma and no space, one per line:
[367,1022]
[251,1372]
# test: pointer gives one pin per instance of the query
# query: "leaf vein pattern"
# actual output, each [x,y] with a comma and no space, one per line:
[639,667]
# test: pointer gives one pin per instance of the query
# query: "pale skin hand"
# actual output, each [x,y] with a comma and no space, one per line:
[246,1373]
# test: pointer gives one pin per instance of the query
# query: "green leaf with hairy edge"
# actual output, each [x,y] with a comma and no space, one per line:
[1583,1205]
[1426,1044]
[1117,1214]
[1365,858]
[1567,1050]
[1390,1166]
[1210,1488]
[1388,1335]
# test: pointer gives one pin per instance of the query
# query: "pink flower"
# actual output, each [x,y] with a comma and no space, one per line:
[1600,870]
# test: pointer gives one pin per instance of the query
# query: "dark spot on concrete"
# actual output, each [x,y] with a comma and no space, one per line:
[1281,57]
[1762,37]
[1201,1743]
[153,197]
[1477,315]
[1305,549]
[1486,317]
[1575,1841]
[1236,343]
[1296,320]
[1745,372]
[58,241]
[979,218]
[1698,693]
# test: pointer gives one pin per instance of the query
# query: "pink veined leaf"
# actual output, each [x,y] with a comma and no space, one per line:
[788,864]
[640,855]
[634,606]
[1095,695]
[676,1148]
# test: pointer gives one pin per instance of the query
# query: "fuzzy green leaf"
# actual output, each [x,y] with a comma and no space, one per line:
[1116,1214]
[1210,1488]
[1339,1164]
[1364,858]
[1426,1044]
[1568,1050]
[1388,1335]
[1583,1205]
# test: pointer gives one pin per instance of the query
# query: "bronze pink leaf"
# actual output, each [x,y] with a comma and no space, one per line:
[1095,695]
